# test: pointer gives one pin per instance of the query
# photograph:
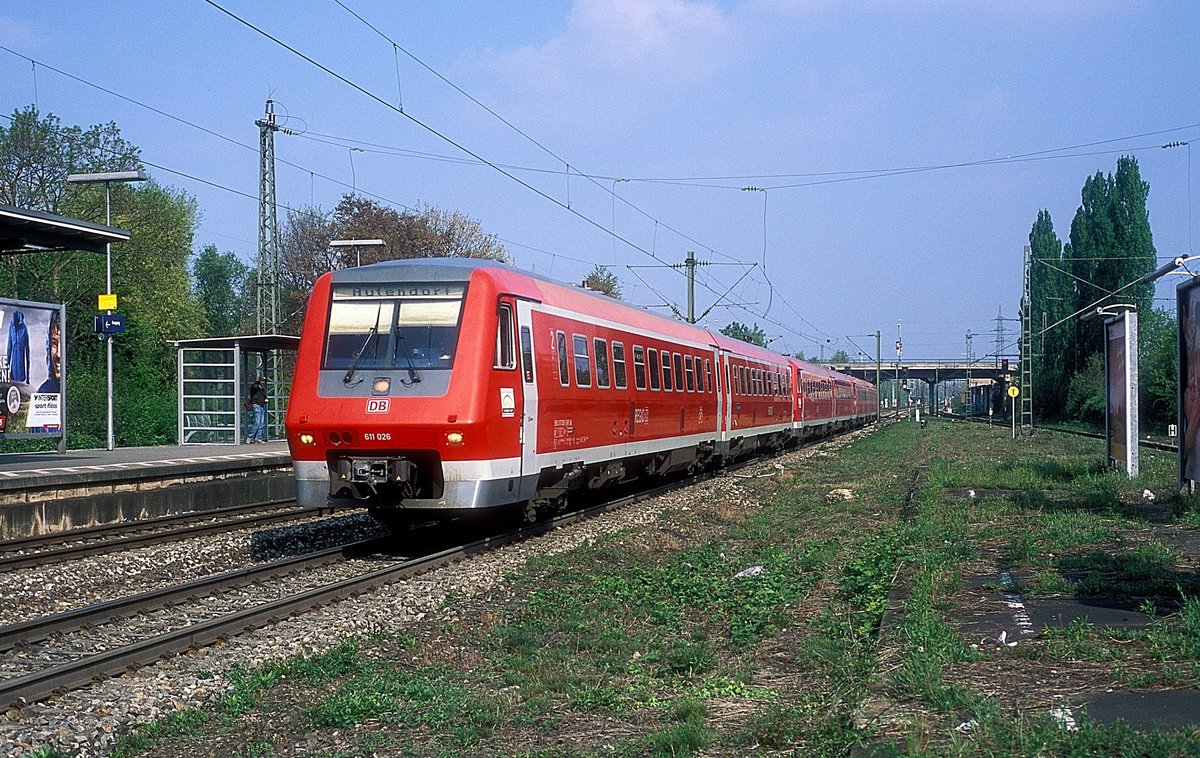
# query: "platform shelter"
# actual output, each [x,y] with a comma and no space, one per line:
[214,376]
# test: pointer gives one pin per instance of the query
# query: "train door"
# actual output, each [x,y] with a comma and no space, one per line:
[726,397]
[799,393]
[527,395]
[716,384]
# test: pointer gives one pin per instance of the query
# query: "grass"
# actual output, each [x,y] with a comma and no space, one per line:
[796,623]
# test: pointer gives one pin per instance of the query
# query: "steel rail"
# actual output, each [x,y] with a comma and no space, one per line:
[15,561]
[33,630]
[72,675]
[1150,444]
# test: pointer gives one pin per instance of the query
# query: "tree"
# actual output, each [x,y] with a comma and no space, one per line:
[219,286]
[604,281]
[1111,247]
[1158,367]
[430,232]
[841,356]
[740,331]
[37,154]
[1053,330]
[150,273]
[304,254]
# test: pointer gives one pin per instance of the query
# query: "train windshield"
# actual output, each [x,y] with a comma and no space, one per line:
[402,327]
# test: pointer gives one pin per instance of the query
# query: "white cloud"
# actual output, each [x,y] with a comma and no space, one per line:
[616,53]
[13,32]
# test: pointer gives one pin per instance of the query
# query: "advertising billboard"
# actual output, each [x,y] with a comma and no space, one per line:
[1187,298]
[32,366]
[1121,371]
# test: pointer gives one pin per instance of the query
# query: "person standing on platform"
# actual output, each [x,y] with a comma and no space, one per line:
[258,404]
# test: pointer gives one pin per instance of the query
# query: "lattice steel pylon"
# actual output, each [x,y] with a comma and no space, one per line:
[1027,346]
[267,312]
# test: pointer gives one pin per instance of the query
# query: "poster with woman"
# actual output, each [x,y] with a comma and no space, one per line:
[31,368]
[1187,298]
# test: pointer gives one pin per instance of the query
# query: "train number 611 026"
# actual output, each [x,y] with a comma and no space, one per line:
[377,436]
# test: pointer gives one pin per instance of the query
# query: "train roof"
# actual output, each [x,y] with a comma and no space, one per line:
[568,296]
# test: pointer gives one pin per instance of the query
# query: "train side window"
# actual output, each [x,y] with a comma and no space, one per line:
[708,382]
[678,372]
[654,369]
[506,355]
[600,348]
[619,366]
[583,362]
[668,375]
[564,367]
[639,367]
[689,370]
[527,354]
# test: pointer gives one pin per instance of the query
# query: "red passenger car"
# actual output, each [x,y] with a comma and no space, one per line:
[463,384]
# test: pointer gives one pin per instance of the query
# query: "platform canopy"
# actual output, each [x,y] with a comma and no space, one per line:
[248,342]
[25,231]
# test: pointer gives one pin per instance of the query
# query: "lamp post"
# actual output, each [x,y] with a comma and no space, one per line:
[107,178]
[357,246]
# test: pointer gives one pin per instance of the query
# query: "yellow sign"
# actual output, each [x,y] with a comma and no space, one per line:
[1014,391]
[107,302]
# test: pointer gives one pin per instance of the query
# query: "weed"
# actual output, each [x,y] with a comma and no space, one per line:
[680,739]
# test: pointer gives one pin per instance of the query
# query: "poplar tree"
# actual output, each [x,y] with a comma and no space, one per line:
[1111,248]
[1053,330]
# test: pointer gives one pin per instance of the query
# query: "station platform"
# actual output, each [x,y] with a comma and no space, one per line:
[52,492]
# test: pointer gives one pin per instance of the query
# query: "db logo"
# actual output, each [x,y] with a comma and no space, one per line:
[378,404]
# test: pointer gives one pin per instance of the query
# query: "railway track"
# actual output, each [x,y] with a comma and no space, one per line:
[1149,444]
[60,547]
[54,654]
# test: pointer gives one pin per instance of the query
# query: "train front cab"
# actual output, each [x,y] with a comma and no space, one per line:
[408,392]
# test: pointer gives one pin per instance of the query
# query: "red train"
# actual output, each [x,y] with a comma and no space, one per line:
[450,383]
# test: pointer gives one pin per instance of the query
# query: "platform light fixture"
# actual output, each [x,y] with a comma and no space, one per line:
[357,246]
[107,178]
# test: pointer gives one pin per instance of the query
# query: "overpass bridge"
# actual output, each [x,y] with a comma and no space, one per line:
[981,376]
[933,371]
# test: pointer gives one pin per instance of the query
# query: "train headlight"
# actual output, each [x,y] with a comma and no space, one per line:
[381,385]
[454,438]
[307,439]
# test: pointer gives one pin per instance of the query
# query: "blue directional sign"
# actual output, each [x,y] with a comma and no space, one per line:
[109,324]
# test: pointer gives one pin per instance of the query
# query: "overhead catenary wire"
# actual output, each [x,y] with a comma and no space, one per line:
[435,132]
[572,170]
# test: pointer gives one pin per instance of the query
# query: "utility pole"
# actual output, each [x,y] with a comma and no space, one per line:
[878,366]
[970,395]
[1027,345]
[267,313]
[690,265]
[897,395]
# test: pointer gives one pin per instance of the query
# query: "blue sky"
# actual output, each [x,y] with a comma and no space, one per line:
[825,106]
